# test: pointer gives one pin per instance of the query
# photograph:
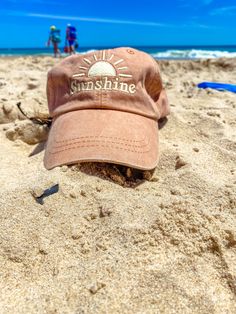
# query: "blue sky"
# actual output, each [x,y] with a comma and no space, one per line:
[26,23]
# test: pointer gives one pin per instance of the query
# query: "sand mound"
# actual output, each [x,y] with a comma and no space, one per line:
[27,132]
[90,239]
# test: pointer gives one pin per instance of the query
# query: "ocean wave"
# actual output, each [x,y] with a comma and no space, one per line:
[193,54]
[86,51]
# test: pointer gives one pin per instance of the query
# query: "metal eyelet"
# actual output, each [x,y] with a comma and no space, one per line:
[130,51]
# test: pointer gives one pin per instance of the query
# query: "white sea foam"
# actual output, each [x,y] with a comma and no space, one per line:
[193,54]
[87,51]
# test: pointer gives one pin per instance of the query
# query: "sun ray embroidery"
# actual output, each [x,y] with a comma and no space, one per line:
[111,57]
[79,74]
[125,75]
[119,61]
[87,61]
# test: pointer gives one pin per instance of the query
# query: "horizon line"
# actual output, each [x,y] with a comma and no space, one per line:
[134,46]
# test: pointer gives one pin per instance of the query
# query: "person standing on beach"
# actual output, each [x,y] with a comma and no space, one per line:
[55,38]
[71,38]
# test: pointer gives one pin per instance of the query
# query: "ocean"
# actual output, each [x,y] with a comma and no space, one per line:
[158,52]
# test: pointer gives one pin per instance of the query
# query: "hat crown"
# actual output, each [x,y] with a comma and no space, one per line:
[123,79]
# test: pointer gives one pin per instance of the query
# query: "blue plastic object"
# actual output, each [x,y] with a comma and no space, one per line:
[218,86]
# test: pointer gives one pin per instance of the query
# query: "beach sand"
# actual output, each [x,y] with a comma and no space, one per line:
[104,243]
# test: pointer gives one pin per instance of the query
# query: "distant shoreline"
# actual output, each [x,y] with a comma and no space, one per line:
[158,52]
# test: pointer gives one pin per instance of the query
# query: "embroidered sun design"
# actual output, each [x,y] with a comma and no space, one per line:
[105,73]
[104,66]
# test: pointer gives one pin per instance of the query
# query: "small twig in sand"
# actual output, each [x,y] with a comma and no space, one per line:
[47,121]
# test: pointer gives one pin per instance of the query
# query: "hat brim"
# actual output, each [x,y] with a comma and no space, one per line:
[101,135]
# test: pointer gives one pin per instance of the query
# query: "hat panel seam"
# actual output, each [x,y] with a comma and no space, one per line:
[51,92]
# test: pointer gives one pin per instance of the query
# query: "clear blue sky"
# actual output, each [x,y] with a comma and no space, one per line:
[25,23]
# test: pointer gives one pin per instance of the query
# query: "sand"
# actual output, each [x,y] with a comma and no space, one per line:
[104,243]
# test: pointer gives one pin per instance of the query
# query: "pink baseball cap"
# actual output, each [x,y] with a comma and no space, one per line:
[105,106]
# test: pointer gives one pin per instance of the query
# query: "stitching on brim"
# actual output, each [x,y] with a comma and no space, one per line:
[101,136]
[102,141]
[116,147]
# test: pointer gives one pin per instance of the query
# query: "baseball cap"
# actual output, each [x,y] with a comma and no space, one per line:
[105,106]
